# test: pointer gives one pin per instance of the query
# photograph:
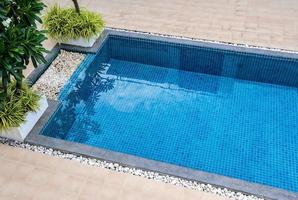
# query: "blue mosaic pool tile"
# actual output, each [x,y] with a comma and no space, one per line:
[241,65]
[69,85]
[233,114]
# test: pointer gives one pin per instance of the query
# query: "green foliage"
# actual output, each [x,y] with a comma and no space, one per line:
[11,114]
[65,23]
[28,97]
[20,40]
[27,11]
[16,105]
[4,8]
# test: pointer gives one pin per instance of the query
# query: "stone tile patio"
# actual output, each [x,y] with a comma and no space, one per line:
[268,23]
[29,175]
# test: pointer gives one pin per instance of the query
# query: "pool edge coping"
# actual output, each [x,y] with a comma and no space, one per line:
[246,187]
[221,181]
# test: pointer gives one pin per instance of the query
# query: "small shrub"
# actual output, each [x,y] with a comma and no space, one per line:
[18,102]
[29,98]
[64,24]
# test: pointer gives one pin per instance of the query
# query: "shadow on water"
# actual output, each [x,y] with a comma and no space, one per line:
[87,91]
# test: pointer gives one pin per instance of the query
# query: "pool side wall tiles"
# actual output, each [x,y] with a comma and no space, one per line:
[129,160]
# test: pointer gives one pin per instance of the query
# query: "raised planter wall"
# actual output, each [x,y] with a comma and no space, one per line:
[21,132]
[82,42]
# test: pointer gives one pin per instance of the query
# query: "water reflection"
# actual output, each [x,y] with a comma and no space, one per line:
[87,90]
[164,77]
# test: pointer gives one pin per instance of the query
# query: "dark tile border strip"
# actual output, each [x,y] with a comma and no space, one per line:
[147,164]
[202,43]
[247,46]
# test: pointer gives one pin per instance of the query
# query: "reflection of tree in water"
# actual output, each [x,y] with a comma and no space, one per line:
[88,88]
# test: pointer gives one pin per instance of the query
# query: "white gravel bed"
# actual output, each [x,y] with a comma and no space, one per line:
[61,69]
[137,172]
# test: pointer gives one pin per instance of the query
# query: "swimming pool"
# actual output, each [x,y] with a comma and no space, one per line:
[225,112]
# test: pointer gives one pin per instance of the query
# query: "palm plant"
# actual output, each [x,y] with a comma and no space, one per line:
[20,40]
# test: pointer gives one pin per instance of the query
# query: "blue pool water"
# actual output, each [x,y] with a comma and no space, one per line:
[229,113]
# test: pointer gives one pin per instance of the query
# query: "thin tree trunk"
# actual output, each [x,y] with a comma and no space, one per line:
[19,82]
[76,4]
